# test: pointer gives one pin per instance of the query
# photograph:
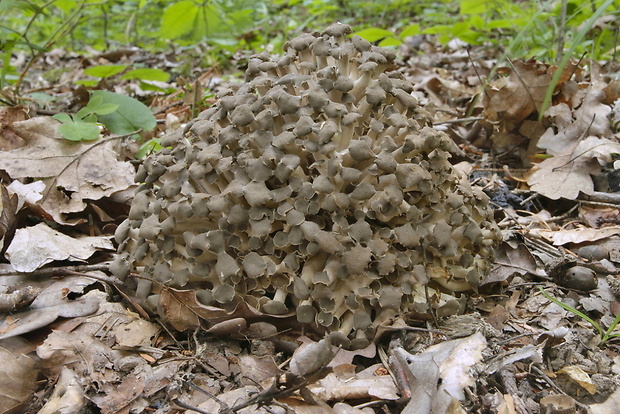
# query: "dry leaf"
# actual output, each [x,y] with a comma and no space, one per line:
[591,119]
[51,303]
[440,373]
[610,406]
[514,98]
[8,138]
[18,374]
[183,310]
[74,172]
[36,246]
[311,357]
[567,174]
[578,235]
[68,395]
[579,376]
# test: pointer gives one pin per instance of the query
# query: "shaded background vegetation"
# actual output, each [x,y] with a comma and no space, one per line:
[525,28]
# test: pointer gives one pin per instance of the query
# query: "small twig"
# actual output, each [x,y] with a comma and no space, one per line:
[601,198]
[62,271]
[188,407]
[458,120]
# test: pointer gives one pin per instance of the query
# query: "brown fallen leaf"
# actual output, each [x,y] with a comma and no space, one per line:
[610,406]
[577,235]
[568,174]
[73,172]
[18,373]
[52,302]
[440,373]
[68,395]
[514,98]
[183,310]
[8,210]
[33,247]
[8,138]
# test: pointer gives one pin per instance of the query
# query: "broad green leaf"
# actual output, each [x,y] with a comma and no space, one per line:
[147,74]
[86,82]
[62,117]
[79,131]
[178,19]
[94,102]
[106,108]
[104,71]
[66,5]
[83,113]
[411,30]
[372,34]
[500,24]
[474,6]
[438,29]
[130,115]
[390,41]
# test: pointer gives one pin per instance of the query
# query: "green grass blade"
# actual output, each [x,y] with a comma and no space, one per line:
[567,56]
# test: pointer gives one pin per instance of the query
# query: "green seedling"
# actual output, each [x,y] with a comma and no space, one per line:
[83,126]
[120,114]
[604,335]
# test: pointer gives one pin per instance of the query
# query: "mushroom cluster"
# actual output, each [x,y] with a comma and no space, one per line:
[317,188]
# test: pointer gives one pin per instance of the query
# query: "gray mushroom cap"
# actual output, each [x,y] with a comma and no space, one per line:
[317,189]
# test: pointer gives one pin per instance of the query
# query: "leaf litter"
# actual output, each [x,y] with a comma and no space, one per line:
[512,351]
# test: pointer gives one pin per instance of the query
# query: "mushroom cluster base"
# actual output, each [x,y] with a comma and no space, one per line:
[316,189]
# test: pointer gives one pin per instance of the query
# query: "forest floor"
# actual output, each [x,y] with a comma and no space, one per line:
[69,331]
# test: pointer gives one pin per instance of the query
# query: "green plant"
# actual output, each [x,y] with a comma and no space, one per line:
[604,335]
[120,114]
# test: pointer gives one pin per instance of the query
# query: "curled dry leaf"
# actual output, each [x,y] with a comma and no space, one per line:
[568,173]
[51,303]
[514,98]
[36,246]
[439,374]
[73,172]
[18,374]
[311,357]
[68,396]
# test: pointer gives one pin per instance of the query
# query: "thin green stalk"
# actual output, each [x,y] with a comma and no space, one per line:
[567,56]
[603,335]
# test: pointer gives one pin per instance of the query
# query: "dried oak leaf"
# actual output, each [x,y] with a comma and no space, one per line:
[183,310]
[565,175]
[591,119]
[33,247]
[73,172]
[18,374]
[522,92]
[8,138]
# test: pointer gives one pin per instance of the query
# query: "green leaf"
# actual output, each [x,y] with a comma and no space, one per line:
[79,131]
[411,30]
[372,34]
[438,29]
[62,117]
[104,71]
[149,147]
[390,41]
[106,108]
[87,82]
[130,115]
[178,19]
[94,102]
[147,74]
[474,6]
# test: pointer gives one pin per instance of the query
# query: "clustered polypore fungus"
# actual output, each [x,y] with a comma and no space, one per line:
[316,188]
